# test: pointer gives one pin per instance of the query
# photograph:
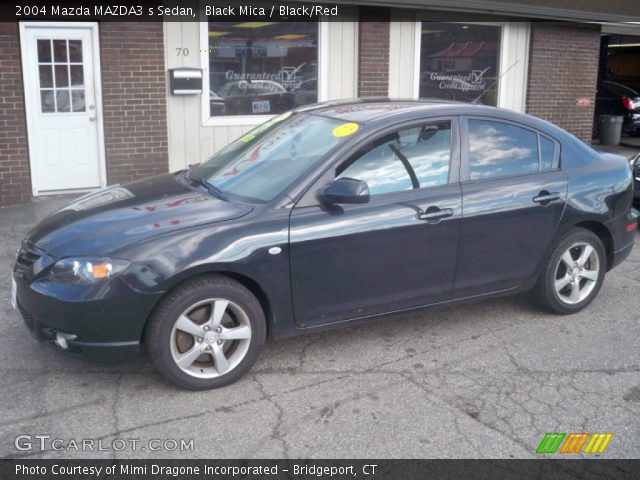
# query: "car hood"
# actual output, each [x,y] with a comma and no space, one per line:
[110,219]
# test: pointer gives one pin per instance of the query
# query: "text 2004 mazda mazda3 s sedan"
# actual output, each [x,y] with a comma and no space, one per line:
[323,216]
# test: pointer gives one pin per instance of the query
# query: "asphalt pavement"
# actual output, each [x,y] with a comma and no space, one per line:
[482,380]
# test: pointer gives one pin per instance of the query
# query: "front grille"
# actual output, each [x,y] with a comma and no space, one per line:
[28,255]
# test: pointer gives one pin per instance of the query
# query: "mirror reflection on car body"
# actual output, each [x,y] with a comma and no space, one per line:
[327,215]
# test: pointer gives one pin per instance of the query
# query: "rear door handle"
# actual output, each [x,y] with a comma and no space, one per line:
[546,198]
[434,214]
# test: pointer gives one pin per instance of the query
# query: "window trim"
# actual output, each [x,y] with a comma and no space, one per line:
[556,152]
[465,148]
[255,120]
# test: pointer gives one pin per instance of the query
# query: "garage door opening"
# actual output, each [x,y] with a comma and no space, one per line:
[618,90]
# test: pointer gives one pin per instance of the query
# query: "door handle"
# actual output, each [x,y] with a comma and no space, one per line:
[434,214]
[92,119]
[545,198]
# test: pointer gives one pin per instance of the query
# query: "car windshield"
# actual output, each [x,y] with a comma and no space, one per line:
[263,163]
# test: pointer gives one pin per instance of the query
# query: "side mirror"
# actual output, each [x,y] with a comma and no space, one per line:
[347,190]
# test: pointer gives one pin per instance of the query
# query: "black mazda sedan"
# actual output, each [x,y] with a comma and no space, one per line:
[327,215]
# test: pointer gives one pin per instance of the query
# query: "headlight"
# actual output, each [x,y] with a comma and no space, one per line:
[86,271]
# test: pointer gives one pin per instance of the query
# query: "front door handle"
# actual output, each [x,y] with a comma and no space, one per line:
[545,198]
[435,214]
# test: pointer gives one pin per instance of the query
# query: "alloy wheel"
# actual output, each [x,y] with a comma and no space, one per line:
[577,273]
[210,338]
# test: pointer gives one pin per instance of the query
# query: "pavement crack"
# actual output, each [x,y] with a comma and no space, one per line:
[276,431]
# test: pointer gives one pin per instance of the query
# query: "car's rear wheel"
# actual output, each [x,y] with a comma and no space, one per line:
[574,273]
[206,333]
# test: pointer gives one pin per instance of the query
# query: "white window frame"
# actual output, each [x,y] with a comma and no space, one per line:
[251,120]
[510,51]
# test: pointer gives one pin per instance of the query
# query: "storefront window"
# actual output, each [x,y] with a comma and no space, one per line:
[460,62]
[262,68]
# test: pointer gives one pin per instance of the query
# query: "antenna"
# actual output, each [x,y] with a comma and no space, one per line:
[494,82]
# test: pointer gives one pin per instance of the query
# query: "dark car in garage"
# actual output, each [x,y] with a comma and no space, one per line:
[329,215]
[614,98]
[634,163]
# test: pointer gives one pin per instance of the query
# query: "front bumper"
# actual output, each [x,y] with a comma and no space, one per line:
[102,324]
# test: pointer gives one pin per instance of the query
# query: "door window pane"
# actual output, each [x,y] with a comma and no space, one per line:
[499,149]
[47,101]
[77,77]
[426,149]
[44,51]
[60,51]
[459,62]
[62,101]
[62,76]
[75,50]
[77,100]
[46,77]
[262,67]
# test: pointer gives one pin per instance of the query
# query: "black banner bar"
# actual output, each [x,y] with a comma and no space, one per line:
[236,11]
[316,469]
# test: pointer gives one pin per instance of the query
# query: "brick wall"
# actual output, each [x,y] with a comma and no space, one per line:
[15,183]
[133,88]
[563,66]
[373,52]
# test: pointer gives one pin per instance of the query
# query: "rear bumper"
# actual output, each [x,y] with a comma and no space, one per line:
[624,230]
[621,255]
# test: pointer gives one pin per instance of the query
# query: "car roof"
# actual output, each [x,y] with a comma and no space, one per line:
[364,110]
[381,110]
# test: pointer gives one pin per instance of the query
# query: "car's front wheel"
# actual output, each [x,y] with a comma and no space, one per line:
[206,333]
[574,273]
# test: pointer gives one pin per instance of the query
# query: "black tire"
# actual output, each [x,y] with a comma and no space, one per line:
[544,292]
[159,332]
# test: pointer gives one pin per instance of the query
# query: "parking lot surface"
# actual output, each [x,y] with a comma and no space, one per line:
[482,380]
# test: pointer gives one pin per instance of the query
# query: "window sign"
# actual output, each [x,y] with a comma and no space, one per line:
[460,62]
[262,68]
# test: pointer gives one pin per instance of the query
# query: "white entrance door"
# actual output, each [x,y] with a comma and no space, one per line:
[62,110]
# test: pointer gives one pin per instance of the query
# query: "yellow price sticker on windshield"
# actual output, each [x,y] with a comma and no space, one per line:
[247,138]
[345,129]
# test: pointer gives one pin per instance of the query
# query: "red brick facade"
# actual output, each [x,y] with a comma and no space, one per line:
[15,182]
[563,67]
[134,103]
[373,52]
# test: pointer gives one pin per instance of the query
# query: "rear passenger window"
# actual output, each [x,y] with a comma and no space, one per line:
[549,154]
[499,149]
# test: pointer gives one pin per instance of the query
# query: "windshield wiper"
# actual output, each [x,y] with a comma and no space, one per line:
[212,189]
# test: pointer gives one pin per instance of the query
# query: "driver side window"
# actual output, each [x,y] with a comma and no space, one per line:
[411,158]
